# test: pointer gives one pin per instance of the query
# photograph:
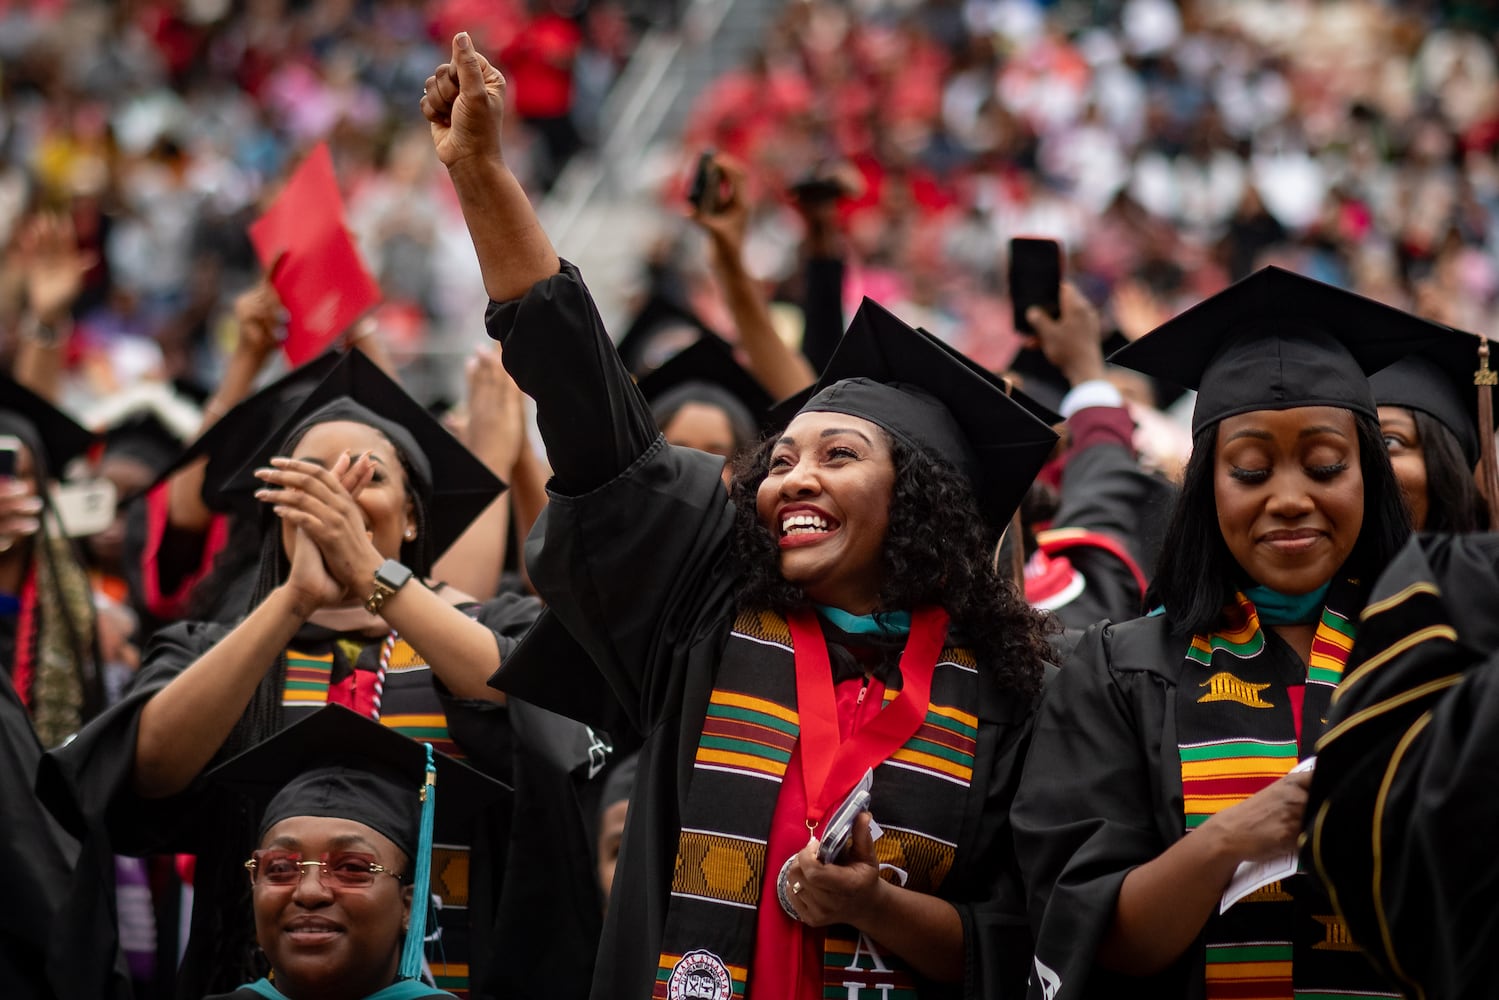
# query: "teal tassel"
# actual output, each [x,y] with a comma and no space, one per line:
[421,882]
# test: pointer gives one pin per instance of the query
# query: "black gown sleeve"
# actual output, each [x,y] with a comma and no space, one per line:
[1105,491]
[631,551]
[1091,807]
[1402,814]
[823,310]
[594,421]
[96,768]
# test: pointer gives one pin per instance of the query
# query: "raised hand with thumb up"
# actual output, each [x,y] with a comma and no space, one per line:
[464,100]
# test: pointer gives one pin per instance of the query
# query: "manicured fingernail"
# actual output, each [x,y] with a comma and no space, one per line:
[264,473]
[262,494]
[464,42]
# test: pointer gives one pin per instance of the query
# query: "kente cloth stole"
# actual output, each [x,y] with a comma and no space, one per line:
[310,685]
[1247,711]
[751,728]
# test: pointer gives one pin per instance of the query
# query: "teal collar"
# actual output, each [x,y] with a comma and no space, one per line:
[1276,608]
[406,989]
[885,623]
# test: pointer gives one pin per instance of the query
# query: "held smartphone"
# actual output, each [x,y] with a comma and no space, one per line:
[707,181]
[10,455]
[1035,278]
[840,828]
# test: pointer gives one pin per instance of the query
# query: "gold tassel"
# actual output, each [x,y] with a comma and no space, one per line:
[1488,462]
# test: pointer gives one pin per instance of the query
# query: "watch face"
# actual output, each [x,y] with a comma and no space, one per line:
[392,574]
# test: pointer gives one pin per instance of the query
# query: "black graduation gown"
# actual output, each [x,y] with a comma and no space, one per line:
[1101,794]
[1403,813]
[50,949]
[96,768]
[1105,490]
[632,555]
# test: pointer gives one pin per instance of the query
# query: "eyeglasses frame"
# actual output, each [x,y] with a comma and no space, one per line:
[321,864]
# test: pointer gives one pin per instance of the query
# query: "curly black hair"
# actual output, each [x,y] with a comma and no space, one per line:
[1196,575]
[938,551]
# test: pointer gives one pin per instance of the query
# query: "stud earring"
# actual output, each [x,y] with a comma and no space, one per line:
[410,534]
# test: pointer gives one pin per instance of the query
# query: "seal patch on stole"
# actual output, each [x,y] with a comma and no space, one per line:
[700,975]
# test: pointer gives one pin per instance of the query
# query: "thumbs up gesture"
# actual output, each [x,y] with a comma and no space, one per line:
[464,100]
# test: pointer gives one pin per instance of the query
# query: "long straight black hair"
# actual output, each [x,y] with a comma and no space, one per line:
[1196,575]
[1453,503]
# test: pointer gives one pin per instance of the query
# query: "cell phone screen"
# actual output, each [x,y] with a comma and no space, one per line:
[706,179]
[1035,278]
[10,452]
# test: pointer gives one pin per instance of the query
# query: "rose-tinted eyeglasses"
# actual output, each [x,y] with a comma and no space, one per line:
[346,870]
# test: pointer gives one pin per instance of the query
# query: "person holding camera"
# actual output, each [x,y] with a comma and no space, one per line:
[834,614]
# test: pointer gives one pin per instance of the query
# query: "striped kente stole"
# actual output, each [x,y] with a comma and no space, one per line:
[749,734]
[310,676]
[1247,710]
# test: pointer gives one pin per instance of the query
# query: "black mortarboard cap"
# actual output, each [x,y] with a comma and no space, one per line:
[228,442]
[40,424]
[908,383]
[707,372]
[657,318]
[144,437]
[356,389]
[1041,411]
[1439,383]
[336,762]
[1276,340]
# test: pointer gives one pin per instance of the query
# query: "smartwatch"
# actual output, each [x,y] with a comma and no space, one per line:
[389,578]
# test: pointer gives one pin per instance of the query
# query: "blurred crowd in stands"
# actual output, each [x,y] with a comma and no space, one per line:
[163,127]
[1171,147]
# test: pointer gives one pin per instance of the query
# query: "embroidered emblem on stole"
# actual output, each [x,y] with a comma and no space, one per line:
[1224,686]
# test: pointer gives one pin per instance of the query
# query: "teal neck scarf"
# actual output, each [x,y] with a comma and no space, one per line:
[1276,608]
[885,623]
[406,989]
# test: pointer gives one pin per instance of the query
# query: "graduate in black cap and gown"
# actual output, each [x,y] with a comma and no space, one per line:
[1428,411]
[837,614]
[1163,753]
[343,613]
[51,686]
[702,398]
[344,853]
